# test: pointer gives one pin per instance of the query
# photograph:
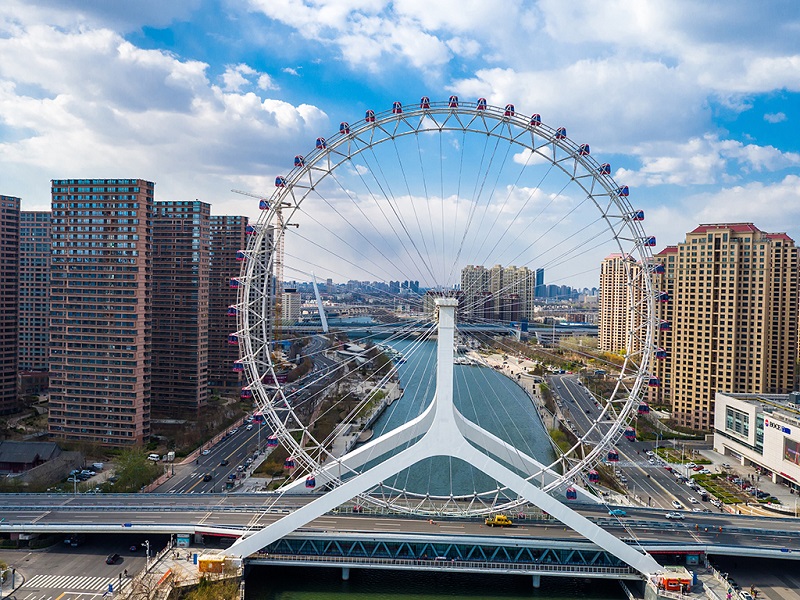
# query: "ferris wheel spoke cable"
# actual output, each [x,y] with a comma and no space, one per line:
[400,165]
[478,234]
[393,204]
[511,189]
[477,192]
[427,201]
[363,157]
[404,268]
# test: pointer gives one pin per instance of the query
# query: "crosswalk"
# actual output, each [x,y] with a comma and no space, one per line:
[70,582]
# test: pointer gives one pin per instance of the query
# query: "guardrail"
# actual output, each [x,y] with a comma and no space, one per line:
[441,563]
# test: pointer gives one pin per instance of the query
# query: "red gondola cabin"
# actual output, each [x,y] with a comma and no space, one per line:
[481,105]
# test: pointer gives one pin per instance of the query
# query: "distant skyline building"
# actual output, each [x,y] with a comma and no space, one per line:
[101,310]
[34,290]
[9,302]
[180,307]
[227,237]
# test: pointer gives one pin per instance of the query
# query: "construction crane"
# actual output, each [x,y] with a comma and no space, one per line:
[278,254]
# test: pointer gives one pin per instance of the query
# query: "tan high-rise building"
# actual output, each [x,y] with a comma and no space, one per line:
[504,293]
[663,279]
[735,318]
[620,304]
[101,310]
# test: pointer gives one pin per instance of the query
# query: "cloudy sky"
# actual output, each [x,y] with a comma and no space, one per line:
[695,104]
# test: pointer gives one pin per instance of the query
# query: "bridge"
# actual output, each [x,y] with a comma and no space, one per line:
[537,545]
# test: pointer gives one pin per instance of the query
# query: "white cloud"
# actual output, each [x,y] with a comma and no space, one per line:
[235,78]
[702,161]
[777,117]
[772,207]
[291,71]
[158,117]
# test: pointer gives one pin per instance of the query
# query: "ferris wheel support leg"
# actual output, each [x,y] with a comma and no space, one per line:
[369,451]
[644,563]
[508,453]
[246,546]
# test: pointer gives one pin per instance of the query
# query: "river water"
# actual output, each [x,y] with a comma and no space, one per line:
[495,403]
[483,396]
[297,583]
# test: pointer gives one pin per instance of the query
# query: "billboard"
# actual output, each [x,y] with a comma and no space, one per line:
[791,451]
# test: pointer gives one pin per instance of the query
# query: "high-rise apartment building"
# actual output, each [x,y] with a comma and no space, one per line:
[735,318]
[663,280]
[101,310]
[498,293]
[180,307]
[34,290]
[290,305]
[227,237]
[620,303]
[9,302]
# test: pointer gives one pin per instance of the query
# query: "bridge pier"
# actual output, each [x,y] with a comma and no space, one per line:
[537,581]
[345,573]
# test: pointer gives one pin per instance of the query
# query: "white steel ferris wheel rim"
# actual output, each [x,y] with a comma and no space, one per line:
[254,306]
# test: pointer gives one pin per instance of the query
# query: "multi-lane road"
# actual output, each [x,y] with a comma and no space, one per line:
[647,479]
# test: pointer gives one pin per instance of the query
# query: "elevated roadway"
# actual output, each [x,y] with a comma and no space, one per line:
[233,515]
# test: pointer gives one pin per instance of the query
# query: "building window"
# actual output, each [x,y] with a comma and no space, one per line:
[737,422]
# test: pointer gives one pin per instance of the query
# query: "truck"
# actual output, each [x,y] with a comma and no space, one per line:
[169,456]
[498,521]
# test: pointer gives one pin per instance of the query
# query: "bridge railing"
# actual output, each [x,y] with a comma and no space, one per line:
[440,563]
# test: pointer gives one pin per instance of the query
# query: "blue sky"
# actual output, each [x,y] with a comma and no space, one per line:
[694,104]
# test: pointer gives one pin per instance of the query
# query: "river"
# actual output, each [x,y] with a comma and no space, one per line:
[482,395]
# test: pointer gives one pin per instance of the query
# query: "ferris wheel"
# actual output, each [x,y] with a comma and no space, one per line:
[388,213]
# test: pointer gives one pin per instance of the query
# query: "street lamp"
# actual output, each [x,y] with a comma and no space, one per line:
[146,554]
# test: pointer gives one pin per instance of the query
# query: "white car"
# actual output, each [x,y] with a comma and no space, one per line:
[693,500]
[677,504]
[650,453]
[674,515]
[690,465]
[206,452]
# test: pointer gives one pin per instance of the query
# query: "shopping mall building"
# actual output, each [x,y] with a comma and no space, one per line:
[762,430]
